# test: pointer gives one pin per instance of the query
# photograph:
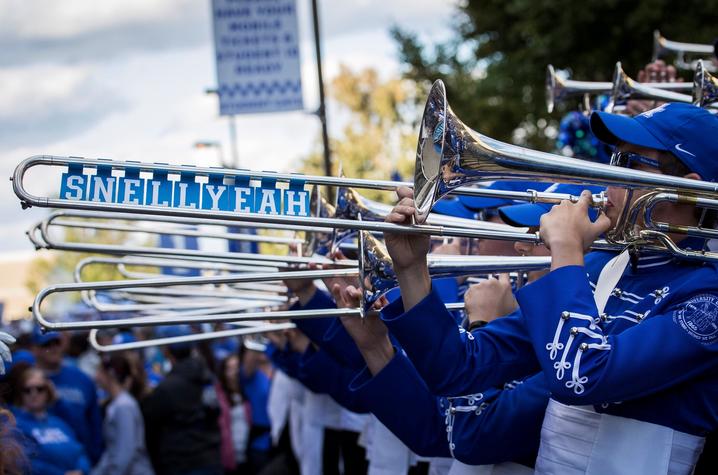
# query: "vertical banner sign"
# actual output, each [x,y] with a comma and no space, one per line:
[257,54]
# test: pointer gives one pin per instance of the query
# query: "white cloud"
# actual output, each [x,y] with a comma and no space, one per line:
[41,103]
[125,79]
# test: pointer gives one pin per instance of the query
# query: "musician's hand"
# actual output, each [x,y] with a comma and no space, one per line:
[407,251]
[342,281]
[454,248]
[657,71]
[490,299]
[298,341]
[278,339]
[568,232]
[370,334]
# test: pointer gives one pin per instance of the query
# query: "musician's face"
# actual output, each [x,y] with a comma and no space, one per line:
[617,195]
[495,247]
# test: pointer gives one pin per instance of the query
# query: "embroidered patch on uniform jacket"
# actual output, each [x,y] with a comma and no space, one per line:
[699,318]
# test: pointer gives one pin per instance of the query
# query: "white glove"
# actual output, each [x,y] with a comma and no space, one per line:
[5,354]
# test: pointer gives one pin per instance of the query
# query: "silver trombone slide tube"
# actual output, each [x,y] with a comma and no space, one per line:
[136,345]
[660,44]
[242,304]
[164,219]
[81,265]
[134,298]
[169,282]
[179,232]
[268,260]
[34,234]
[675,198]
[124,265]
[160,262]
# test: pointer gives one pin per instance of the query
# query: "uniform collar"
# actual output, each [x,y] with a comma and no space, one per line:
[648,261]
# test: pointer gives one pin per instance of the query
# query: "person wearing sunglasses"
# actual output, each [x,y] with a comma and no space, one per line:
[52,447]
[626,341]
[77,402]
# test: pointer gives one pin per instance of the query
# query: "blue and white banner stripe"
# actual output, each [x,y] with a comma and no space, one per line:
[184,190]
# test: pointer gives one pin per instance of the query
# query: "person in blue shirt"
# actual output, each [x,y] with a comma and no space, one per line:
[77,403]
[51,444]
[256,386]
[633,369]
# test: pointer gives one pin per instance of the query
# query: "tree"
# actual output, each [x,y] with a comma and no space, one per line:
[494,68]
[380,134]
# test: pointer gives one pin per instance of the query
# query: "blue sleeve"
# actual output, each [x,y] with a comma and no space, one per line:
[322,374]
[314,328]
[584,366]
[453,362]
[499,425]
[401,401]
[83,464]
[94,422]
[284,359]
[340,345]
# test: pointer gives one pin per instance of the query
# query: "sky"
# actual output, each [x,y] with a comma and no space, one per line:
[126,80]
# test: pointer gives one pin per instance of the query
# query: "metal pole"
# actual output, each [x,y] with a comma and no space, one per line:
[321,112]
[233,142]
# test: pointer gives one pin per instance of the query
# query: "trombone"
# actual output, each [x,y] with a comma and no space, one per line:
[375,273]
[450,154]
[45,241]
[624,89]
[559,89]
[661,45]
[419,229]
[705,87]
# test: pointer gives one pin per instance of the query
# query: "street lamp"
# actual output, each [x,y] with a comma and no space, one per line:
[205,144]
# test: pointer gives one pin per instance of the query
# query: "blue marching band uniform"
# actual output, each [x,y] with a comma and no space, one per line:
[604,368]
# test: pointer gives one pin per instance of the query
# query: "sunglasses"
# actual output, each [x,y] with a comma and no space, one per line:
[34,389]
[627,159]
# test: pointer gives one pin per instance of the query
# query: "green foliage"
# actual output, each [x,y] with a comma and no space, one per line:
[380,134]
[495,66]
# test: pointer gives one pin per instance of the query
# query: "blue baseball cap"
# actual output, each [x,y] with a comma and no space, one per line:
[686,131]
[478,203]
[452,206]
[41,338]
[529,214]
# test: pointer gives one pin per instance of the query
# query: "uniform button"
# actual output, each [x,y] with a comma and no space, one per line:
[617,292]
[565,315]
[604,317]
[452,410]
[659,292]
[583,347]
[639,317]
[574,331]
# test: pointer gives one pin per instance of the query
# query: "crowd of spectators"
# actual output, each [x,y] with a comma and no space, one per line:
[185,408]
